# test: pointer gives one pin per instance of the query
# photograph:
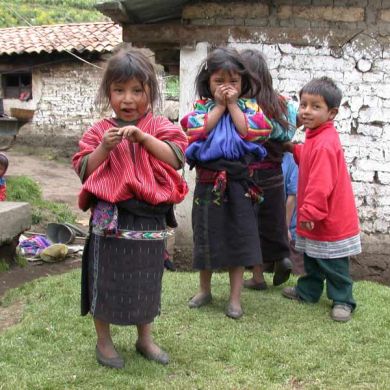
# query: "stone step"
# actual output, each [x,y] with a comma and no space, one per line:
[15,218]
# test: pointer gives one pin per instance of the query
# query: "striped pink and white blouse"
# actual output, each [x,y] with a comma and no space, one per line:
[130,171]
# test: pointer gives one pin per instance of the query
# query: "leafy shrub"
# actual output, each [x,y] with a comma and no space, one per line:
[39,12]
[172,87]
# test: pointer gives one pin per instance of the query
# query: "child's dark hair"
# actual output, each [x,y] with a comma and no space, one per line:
[325,87]
[127,63]
[273,105]
[3,162]
[222,58]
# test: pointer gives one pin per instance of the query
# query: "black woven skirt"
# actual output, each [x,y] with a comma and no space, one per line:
[272,215]
[225,231]
[124,274]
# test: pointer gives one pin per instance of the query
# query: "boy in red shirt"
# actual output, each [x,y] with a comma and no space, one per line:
[327,222]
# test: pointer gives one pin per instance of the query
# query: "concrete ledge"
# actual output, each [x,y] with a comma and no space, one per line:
[15,218]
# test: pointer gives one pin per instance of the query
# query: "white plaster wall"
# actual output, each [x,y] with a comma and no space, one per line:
[63,104]
[190,60]
[67,104]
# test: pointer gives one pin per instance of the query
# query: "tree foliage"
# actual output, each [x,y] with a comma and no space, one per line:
[43,12]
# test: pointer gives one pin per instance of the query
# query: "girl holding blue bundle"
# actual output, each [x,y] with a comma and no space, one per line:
[225,133]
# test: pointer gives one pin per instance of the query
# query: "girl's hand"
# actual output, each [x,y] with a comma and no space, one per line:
[133,134]
[111,139]
[230,93]
[307,225]
[219,96]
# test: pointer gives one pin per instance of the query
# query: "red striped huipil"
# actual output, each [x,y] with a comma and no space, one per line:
[130,171]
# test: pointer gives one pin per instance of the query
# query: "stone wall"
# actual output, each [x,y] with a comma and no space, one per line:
[63,100]
[354,51]
[334,14]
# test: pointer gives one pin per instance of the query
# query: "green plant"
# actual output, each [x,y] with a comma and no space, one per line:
[172,87]
[39,12]
[24,189]
[20,260]
[4,266]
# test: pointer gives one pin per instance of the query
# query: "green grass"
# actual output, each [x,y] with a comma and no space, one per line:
[24,189]
[4,266]
[278,344]
[20,260]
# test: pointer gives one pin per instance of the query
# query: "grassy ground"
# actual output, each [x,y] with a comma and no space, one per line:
[278,344]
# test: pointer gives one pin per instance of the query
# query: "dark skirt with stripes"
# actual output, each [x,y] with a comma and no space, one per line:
[272,215]
[121,277]
[225,231]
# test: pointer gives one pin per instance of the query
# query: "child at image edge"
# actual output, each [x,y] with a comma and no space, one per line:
[3,170]
[128,165]
[226,133]
[327,220]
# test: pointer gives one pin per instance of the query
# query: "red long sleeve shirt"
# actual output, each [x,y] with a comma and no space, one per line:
[3,190]
[324,187]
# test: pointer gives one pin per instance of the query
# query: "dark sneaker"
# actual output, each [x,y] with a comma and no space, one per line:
[168,264]
[341,313]
[282,271]
[291,293]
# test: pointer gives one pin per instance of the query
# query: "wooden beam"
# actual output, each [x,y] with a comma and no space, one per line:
[115,10]
[184,35]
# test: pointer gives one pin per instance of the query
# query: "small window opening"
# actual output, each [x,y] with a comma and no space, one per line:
[17,86]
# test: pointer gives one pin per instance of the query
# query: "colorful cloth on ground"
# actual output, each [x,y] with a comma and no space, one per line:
[224,141]
[34,245]
[130,171]
[325,194]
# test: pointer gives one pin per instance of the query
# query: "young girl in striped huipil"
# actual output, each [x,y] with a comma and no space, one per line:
[128,165]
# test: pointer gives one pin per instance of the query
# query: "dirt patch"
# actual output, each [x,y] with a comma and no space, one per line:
[17,276]
[11,315]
